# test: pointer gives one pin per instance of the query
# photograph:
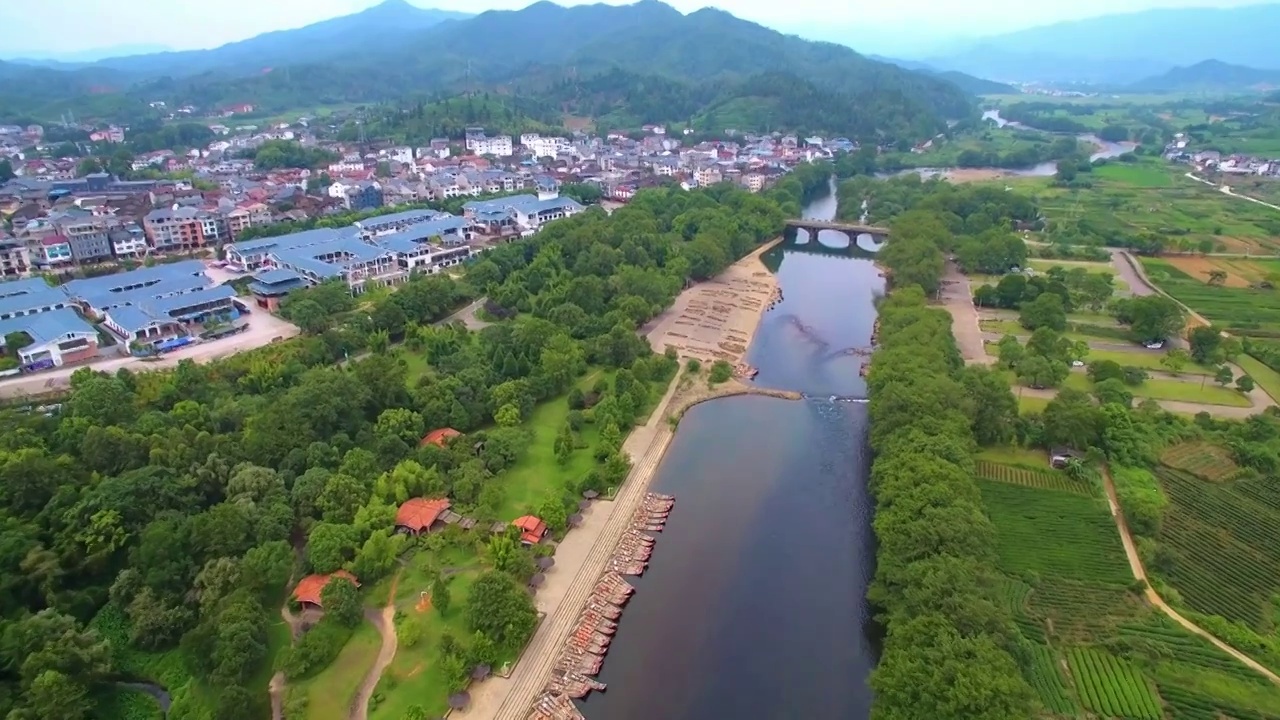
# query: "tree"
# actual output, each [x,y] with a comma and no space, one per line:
[1071,419]
[1113,390]
[1152,318]
[1244,384]
[6,170]
[552,512]
[500,609]
[995,408]
[1217,277]
[1223,375]
[1046,311]
[440,596]
[1009,351]
[55,696]
[341,601]
[1175,360]
[507,416]
[1206,343]
[564,444]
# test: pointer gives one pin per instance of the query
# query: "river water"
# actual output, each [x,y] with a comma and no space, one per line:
[754,606]
[1104,150]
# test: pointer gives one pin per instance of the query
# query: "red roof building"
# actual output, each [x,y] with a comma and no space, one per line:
[417,514]
[439,437]
[308,590]
[531,529]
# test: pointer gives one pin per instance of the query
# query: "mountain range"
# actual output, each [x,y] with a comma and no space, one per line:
[1210,75]
[395,51]
[1116,50]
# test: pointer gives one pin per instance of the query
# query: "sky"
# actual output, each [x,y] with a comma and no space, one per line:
[38,30]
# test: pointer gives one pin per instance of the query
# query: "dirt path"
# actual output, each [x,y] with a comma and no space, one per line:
[1135,564]
[958,301]
[384,620]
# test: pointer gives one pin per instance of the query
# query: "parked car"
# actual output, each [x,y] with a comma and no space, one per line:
[1155,345]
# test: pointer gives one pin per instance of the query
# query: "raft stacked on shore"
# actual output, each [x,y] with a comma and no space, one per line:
[583,653]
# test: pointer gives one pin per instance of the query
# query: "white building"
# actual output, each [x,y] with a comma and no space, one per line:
[499,146]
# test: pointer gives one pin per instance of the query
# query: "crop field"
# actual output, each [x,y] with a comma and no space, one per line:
[1265,377]
[1137,175]
[1197,693]
[1260,489]
[1187,648]
[1112,687]
[1205,461]
[1085,544]
[1039,479]
[1080,611]
[1225,547]
[1046,679]
[1241,310]
[1184,212]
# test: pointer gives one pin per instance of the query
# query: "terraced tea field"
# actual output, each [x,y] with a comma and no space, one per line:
[1225,546]
[1205,461]
[1038,479]
[1112,687]
[1054,533]
[1046,679]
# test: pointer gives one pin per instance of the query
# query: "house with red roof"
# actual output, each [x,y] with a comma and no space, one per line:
[309,588]
[532,529]
[439,437]
[418,514]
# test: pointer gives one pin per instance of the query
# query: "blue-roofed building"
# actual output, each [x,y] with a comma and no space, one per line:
[250,255]
[269,287]
[31,296]
[360,264]
[524,214]
[156,319]
[57,337]
[98,294]
[395,222]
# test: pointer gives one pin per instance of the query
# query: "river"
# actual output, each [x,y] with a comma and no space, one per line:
[754,603]
[1104,149]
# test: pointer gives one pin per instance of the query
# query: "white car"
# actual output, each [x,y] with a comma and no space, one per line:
[1155,345]
[1077,363]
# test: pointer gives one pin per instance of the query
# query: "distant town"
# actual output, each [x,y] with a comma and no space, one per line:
[146,265]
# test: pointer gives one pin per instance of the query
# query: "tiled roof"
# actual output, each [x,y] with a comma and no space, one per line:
[46,326]
[417,514]
[310,587]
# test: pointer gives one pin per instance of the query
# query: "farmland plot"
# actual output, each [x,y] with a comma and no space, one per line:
[1205,461]
[1225,548]
[1054,533]
[1112,687]
[1038,479]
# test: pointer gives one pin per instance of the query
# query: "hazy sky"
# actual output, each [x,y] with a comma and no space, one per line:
[37,29]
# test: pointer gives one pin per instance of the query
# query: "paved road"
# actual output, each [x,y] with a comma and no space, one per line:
[958,300]
[468,316]
[263,329]
[1140,573]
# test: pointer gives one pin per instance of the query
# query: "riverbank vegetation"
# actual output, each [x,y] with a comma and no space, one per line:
[154,526]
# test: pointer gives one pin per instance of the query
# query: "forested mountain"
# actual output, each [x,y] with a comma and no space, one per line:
[1118,49]
[1210,75]
[536,50]
[392,22]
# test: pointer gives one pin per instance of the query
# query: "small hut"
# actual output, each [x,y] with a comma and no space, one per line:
[532,529]
[418,514]
[498,528]
[439,437]
[308,590]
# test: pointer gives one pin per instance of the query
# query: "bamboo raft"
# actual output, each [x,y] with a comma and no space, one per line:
[583,653]
[553,706]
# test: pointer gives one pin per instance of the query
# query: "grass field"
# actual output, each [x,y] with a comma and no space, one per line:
[1086,545]
[537,474]
[411,678]
[1012,455]
[1032,404]
[1146,360]
[330,692]
[1222,542]
[1265,377]
[1134,174]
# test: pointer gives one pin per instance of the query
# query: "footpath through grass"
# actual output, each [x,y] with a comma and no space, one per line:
[330,692]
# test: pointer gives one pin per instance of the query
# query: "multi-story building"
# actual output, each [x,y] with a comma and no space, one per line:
[15,258]
[184,228]
[128,241]
[52,251]
[88,234]
[359,195]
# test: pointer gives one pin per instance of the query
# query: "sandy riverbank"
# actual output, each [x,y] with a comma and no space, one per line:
[717,319]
